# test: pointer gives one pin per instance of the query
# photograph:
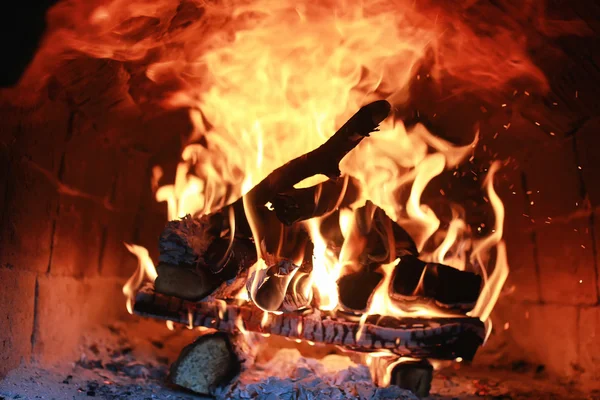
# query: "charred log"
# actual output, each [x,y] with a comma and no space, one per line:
[444,338]
[415,376]
[326,158]
[194,260]
[301,204]
[414,279]
[284,288]
[386,240]
[197,243]
[187,283]
[208,363]
[356,288]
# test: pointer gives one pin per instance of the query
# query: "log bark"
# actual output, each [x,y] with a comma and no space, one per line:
[326,158]
[417,281]
[206,364]
[316,201]
[187,283]
[415,376]
[444,338]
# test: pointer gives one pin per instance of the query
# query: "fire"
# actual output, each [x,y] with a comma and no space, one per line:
[145,270]
[305,79]
[267,81]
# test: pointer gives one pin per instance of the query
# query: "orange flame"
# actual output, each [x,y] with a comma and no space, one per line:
[144,270]
[481,255]
[265,82]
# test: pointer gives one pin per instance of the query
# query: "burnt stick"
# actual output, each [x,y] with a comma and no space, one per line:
[442,338]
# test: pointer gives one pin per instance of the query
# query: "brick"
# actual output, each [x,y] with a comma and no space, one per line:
[116,260]
[16,317]
[522,279]
[132,178]
[596,218]
[32,201]
[589,342]
[4,175]
[68,308]
[553,178]
[43,135]
[588,148]
[39,133]
[77,238]
[566,262]
[545,334]
[507,134]
[98,88]
[90,164]
[164,132]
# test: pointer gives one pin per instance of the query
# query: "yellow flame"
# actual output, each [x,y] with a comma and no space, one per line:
[268,81]
[326,268]
[145,269]
[380,303]
[481,254]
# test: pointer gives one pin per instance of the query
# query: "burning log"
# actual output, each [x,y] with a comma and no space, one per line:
[212,361]
[187,283]
[194,260]
[196,244]
[443,338]
[326,158]
[356,288]
[284,288]
[301,204]
[416,280]
[415,376]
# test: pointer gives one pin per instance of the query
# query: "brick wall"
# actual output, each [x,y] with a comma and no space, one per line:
[74,185]
[549,311]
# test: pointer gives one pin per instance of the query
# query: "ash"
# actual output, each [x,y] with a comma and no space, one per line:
[290,376]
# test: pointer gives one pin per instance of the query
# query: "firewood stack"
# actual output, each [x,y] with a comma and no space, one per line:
[205,262]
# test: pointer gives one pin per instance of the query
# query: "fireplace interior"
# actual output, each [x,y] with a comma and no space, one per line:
[128,115]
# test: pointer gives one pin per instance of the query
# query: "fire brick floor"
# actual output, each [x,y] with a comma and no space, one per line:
[117,365]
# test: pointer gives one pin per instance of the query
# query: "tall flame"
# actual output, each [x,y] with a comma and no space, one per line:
[145,270]
[266,81]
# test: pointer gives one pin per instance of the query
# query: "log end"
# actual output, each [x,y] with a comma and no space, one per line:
[415,376]
[183,282]
[208,363]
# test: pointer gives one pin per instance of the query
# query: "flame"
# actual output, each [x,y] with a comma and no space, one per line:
[326,268]
[144,270]
[266,81]
[481,254]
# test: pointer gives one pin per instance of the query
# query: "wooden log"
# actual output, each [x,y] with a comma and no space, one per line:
[449,288]
[195,260]
[442,338]
[316,201]
[285,287]
[415,376]
[323,160]
[209,362]
[197,243]
[326,158]
[187,283]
